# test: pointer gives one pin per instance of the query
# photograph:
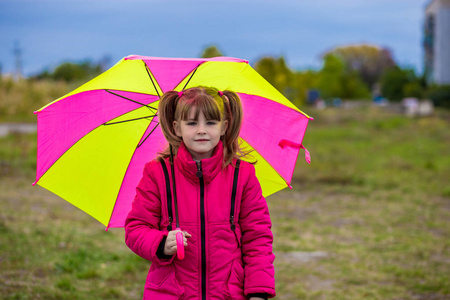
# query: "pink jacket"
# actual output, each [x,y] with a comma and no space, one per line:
[219,263]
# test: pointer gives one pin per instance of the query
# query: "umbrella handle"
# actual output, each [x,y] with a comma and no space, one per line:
[180,245]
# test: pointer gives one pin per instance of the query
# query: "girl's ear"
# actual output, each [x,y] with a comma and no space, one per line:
[176,128]
[224,127]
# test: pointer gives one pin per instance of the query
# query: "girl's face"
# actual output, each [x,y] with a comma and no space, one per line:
[200,136]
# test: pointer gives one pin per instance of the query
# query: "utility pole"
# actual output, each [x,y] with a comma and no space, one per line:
[18,59]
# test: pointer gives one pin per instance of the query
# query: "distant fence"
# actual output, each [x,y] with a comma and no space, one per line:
[7,128]
[409,106]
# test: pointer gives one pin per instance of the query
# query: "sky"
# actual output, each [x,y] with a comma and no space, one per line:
[49,32]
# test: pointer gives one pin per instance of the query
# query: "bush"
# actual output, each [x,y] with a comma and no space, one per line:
[440,95]
[397,83]
[71,72]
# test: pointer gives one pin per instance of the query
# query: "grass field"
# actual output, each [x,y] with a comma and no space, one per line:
[368,219]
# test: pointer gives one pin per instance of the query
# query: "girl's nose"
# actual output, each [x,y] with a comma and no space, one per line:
[201,129]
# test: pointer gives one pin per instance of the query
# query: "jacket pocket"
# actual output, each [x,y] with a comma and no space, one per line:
[234,286]
[162,284]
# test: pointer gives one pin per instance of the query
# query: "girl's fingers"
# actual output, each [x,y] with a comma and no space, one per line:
[174,233]
[171,240]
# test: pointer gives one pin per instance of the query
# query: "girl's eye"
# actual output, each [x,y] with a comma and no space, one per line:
[191,123]
[211,122]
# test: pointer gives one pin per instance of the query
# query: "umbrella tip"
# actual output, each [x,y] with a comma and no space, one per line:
[290,186]
[35,112]
[107,227]
[311,118]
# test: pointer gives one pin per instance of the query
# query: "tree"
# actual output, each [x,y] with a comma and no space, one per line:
[303,82]
[211,51]
[369,61]
[294,85]
[276,72]
[337,81]
[333,81]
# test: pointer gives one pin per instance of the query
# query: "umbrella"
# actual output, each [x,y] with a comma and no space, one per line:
[94,142]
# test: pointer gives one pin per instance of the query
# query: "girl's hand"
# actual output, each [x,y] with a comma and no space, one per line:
[170,248]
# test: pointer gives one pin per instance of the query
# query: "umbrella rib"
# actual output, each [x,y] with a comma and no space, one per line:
[118,122]
[140,144]
[126,98]
[148,72]
[189,79]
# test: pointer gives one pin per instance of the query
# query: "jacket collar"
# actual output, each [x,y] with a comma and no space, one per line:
[210,166]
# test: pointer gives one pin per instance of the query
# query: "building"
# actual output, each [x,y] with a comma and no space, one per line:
[437,42]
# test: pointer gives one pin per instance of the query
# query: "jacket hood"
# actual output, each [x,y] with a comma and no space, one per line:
[210,166]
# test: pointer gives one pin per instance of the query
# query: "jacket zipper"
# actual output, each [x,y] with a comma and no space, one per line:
[203,227]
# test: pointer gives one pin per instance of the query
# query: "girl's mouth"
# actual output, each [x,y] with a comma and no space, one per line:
[202,140]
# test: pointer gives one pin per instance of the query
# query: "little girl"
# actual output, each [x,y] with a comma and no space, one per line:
[228,248]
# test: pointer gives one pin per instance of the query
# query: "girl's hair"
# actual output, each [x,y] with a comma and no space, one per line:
[215,105]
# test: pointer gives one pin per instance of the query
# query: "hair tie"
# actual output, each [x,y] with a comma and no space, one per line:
[220,93]
[180,94]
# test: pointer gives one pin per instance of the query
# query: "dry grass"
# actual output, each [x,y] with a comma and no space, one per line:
[19,99]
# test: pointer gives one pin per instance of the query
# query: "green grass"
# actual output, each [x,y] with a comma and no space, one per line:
[368,219]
